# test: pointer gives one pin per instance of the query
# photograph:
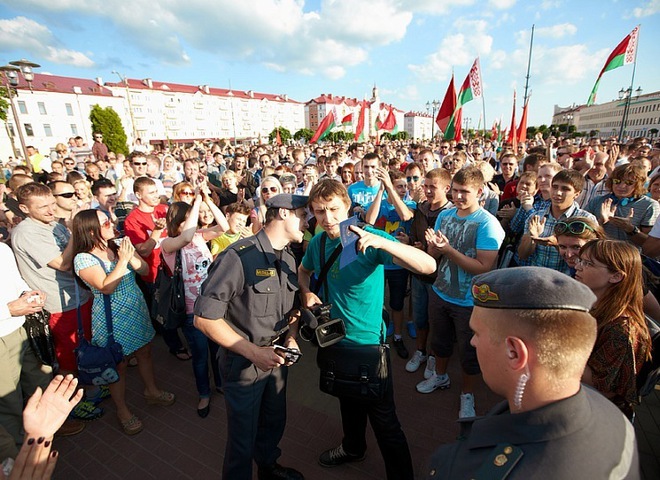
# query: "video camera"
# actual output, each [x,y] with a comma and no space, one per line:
[320,328]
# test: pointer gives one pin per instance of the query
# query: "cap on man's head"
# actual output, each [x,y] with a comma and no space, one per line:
[287,200]
[531,288]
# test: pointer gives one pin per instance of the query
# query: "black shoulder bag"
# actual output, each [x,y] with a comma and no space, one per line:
[170,301]
[351,371]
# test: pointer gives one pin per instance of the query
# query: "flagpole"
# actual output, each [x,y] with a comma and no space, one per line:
[483,102]
[529,65]
[630,92]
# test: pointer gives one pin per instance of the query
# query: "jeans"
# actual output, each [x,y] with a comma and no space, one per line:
[199,348]
[397,279]
[420,292]
[385,423]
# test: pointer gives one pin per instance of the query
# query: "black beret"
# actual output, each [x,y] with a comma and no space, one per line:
[530,288]
[287,200]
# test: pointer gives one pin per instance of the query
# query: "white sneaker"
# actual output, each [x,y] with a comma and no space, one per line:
[467,406]
[429,371]
[417,359]
[431,384]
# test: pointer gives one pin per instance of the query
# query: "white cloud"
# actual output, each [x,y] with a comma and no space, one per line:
[556,31]
[434,7]
[550,4]
[502,4]
[651,8]
[22,33]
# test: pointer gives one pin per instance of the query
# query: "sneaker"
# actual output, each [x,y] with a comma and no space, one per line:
[400,348]
[70,427]
[338,456]
[278,472]
[86,411]
[467,406]
[429,371]
[431,384]
[390,329]
[412,329]
[414,363]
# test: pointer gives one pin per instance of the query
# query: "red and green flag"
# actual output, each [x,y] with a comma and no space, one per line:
[513,132]
[326,126]
[389,124]
[347,121]
[625,53]
[522,128]
[471,89]
[359,130]
[447,108]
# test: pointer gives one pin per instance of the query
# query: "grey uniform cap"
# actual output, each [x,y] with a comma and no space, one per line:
[531,288]
[287,200]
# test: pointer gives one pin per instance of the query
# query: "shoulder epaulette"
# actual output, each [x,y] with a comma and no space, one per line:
[499,464]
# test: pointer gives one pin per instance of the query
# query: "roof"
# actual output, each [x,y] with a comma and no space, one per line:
[149,84]
[53,83]
[335,100]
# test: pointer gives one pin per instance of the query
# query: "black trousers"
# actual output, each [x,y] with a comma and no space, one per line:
[389,435]
[256,414]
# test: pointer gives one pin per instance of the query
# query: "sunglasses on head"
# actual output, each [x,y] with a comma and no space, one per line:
[413,178]
[576,227]
[65,195]
[267,189]
[617,181]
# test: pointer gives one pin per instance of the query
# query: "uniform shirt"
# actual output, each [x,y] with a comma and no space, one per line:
[583,436]
[356,292]
[250,288]
[478,231]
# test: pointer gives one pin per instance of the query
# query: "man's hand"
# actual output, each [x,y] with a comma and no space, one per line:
[607,210]
[310,299]
[265,358]
[506,212]
[366,239]
[28,302]
[624,223]
[159,223]
[437,242]
[536,226]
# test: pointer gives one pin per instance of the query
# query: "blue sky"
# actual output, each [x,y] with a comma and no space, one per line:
[304,48]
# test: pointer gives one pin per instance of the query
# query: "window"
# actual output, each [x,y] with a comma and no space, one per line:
[74,129]
[47,130]
[69,109]
[21,107]
[42,108]
[28,129]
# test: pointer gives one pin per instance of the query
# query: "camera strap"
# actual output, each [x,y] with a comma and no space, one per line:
[326,265]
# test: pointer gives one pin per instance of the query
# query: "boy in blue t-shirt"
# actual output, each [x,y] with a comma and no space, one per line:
[465,241]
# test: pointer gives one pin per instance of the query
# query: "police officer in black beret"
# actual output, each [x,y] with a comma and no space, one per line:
[533,334]
[247,306]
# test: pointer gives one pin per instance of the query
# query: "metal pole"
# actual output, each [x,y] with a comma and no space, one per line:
[627,106]
[529,66]
[17,122]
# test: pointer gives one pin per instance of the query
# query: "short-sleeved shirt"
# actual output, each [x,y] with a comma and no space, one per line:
[388,220]
[35,245]
[356,292]
[250,288]
[218,244]
[478,231]
[195,262]
[546,256]
[645,213]
[361,194]
[138,227]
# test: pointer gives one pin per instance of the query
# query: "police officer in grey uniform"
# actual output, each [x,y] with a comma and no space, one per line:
[247,306]
[533,334]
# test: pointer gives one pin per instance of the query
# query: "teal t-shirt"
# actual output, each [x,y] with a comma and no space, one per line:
[356,292]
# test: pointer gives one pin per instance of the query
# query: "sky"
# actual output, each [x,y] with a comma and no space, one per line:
[407,48]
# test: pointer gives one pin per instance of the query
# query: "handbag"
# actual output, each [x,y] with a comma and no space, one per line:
[354,371]
[98,365]
[170,297]
[40,337]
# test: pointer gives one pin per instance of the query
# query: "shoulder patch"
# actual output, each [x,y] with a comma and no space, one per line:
[501,461]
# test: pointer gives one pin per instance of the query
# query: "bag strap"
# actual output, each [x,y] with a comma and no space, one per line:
[106,305]
[326,265]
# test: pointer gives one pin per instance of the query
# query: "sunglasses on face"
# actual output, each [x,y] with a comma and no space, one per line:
[576,227]
[617,181]
[65,195]
[187,193]
[139,163]
[267,189]
[106,224]
[414,178]
[69,164]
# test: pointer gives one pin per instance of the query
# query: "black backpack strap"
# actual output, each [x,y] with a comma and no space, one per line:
[325,268]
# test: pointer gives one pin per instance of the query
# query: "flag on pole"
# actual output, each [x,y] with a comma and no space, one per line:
[494,130]
[278,139]
[347,121]
[389,125]
[513,132]
[522,129]
[625,53]
[472,87]
[326,126]
[359,130]
[448,106]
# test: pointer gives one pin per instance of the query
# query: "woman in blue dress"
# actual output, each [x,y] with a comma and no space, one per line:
[110,269]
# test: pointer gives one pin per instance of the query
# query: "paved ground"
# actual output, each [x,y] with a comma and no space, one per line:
[176,443]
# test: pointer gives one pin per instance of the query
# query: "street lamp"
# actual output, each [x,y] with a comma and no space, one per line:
[128,99]
[627,95]
[432,107]
[468,120]
[11,79]
[567,120]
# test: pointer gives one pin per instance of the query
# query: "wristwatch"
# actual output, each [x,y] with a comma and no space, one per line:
[634,232]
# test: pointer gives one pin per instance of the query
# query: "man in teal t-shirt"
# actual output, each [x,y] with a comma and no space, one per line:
[356,293]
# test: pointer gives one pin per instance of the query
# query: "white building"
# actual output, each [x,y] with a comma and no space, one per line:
[419,126]
[606,118]
[56,109]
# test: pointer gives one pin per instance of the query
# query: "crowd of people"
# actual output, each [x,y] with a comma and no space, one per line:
[452,227]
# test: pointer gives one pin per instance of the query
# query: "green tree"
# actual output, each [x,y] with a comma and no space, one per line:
[653,132]
[4,104]
[107,122]
[531,131]
[285,135]
[305,134]
[543,129]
